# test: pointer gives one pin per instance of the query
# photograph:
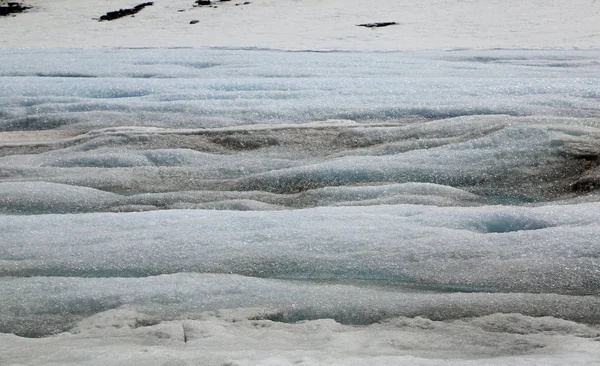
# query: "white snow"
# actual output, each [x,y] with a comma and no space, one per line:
[205,194]
[310,24]
[234,338]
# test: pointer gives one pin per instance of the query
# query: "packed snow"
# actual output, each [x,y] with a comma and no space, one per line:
[309,24]
[305,192]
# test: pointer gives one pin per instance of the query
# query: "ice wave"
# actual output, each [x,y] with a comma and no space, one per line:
[545,249]
[213,88]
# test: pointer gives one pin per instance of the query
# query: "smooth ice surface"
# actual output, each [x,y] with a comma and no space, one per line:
[261,207]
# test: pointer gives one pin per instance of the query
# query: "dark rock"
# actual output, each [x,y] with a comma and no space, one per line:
[12,8]
[202,2]
[585,185]
[112,15]
[376,25]
[194,21]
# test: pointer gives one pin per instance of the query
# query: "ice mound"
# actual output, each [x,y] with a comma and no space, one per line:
[45,197]
[546,249]
[415,193]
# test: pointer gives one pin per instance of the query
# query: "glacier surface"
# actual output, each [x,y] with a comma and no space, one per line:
[342,207]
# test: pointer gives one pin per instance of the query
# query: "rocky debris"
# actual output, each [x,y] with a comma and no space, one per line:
[112,15]
[377,25]
[12,8]
[211,3]
[194,21]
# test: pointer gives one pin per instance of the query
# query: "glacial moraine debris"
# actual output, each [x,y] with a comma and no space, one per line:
[12,8]
[212,3]
[377,25]
[112,15]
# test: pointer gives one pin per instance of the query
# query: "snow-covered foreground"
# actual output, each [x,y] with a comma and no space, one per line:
[243,207]
[245,337]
